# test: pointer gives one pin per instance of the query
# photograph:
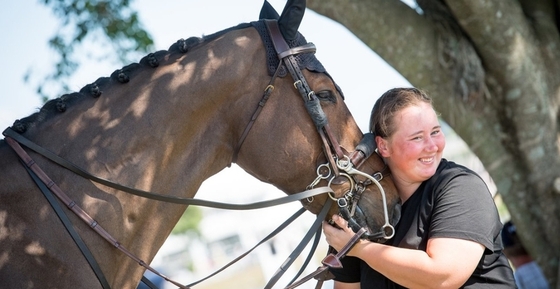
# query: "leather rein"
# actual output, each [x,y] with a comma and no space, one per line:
[48,187]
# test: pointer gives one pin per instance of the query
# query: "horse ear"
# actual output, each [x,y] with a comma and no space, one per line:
[291,18]
[268,12]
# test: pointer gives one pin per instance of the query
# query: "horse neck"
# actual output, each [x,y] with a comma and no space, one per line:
[158,129]
[165,131]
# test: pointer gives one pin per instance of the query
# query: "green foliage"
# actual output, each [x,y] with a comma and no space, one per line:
[188,223]
[114,22]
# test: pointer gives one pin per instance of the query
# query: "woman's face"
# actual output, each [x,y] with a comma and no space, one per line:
[414,151]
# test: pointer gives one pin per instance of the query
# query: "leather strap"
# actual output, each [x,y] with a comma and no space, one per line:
[266,94]
[53,187]
[330,261]
[9,133]
[333,260]
[315,229]
[70,228]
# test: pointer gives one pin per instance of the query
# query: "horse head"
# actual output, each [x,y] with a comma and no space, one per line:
[319,132]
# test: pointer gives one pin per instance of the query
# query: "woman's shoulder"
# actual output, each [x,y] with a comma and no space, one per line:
[448,170]
[447,166]
[452,175]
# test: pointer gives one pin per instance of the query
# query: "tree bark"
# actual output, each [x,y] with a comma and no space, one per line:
[492,68]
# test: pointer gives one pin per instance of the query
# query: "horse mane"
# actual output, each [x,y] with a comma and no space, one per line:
[151,60]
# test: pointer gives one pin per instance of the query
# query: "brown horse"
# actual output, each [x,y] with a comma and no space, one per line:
[165,125]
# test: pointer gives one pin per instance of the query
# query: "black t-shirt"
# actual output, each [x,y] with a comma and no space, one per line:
[454,203]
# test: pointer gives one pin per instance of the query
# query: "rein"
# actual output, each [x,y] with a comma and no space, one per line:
[9,133]
[47,185]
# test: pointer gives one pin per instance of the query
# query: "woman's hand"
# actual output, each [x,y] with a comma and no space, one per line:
[339,236]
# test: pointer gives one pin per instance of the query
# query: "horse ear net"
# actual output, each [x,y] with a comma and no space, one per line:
[367,144]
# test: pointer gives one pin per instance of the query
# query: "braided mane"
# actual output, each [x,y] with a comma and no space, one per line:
[119,76]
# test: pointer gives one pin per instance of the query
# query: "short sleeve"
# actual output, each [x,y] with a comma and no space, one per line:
[464,209]
[350,271]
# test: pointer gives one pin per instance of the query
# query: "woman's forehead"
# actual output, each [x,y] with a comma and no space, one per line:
[416,116]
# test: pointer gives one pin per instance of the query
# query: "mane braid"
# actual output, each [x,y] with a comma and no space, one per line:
[123,75]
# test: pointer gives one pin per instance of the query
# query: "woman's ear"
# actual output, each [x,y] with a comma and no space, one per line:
[382,146]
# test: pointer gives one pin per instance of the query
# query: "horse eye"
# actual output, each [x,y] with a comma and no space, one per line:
[326,95]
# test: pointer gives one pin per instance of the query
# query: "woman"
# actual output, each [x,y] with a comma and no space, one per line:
[449,232]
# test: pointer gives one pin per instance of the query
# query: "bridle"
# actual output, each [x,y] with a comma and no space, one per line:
[338,163]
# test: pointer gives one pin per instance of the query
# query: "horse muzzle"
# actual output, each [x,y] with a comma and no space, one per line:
[375,232]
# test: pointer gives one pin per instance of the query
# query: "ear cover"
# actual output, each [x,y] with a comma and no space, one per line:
[268,12]
[367,145]
[291,18]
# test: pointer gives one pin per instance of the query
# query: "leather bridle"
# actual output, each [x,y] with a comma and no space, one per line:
[338,162]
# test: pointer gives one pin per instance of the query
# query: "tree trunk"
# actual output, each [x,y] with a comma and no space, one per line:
[492,69]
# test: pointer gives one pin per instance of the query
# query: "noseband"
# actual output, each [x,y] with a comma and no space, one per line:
[337,162]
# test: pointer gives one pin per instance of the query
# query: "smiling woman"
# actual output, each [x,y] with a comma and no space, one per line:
[449,232]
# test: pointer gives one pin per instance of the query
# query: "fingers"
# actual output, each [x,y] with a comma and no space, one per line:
[337,234]
[340,222]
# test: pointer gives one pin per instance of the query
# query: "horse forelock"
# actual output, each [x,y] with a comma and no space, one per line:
[119,76]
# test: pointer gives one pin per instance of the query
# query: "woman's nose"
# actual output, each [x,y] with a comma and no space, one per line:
[431,145]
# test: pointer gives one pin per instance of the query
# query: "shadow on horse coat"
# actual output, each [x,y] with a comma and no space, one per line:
[165,125]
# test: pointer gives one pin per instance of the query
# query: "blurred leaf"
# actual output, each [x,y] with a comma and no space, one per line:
[82,20]
[189,221]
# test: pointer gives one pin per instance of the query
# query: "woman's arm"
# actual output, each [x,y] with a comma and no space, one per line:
[341,285]
[447,262]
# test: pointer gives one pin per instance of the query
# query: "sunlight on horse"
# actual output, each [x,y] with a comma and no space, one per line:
[165,125]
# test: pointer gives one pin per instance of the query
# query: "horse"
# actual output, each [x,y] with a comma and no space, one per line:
[165,124]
